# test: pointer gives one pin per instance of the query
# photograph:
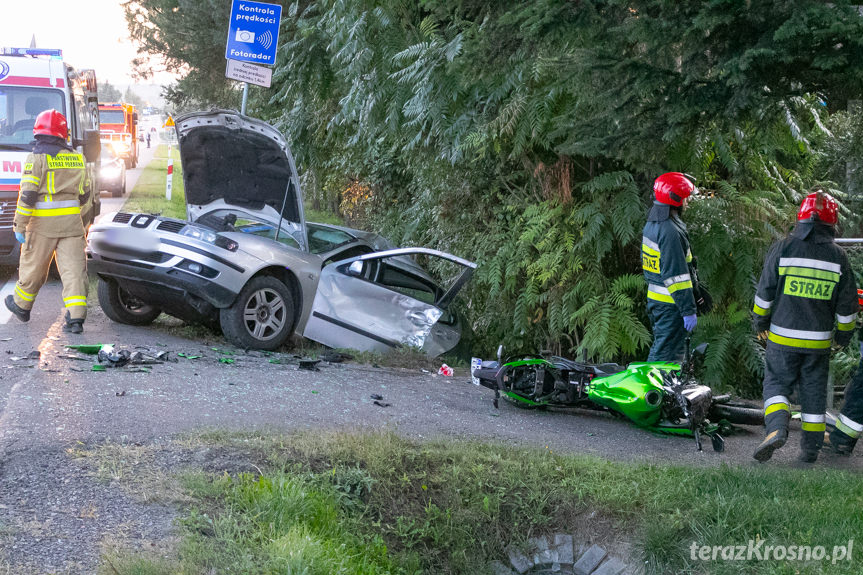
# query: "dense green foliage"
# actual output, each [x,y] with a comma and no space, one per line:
[526,136]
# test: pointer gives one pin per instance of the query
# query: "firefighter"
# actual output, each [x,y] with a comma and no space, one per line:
[806,288]
[48,222]
[849,424]
[665,260]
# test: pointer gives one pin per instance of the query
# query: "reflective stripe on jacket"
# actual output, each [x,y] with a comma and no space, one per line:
[665,258]
[52,188]
[806,290]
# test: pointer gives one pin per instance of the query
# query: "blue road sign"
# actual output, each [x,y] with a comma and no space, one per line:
[253,32]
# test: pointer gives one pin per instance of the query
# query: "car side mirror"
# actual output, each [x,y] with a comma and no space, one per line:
[92,145]
[356,268]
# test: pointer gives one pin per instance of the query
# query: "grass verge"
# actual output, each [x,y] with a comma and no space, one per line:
[148,195]
[377,503]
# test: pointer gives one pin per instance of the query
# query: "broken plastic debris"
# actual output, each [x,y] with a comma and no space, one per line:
[227,360]
[88,348]
[6,339]
[445,370]
[69,356]
[187,356]
[382,404]
[376,396]
[98,367]
[112,358]
[309,364]
[166,356]
[120,393]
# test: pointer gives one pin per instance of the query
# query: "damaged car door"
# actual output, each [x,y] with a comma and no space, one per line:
[385,300]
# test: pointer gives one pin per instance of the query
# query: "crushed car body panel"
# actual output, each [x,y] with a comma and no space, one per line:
[373,303]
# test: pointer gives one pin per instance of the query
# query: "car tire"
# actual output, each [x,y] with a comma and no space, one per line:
[120,307]
[252,323]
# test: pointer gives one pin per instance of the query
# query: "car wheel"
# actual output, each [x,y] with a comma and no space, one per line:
[262,317]
[122,307]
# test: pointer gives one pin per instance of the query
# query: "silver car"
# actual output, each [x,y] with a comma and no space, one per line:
[246,260]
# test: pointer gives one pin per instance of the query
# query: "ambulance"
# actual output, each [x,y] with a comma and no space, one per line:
[33,80]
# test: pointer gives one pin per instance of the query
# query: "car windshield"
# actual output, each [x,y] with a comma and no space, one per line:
[325,239]
[19,107]
[111,117]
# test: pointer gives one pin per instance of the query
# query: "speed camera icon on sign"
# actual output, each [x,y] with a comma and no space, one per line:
[245,36]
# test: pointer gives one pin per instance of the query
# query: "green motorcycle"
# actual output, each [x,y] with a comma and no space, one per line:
[659,396]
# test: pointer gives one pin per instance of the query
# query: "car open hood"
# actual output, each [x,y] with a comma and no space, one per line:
[241,160]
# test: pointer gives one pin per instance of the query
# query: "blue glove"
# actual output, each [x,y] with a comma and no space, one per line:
[20,237]
[689,322]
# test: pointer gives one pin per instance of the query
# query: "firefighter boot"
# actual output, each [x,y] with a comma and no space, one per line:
[20,313]
[774,440]
[73,325]
[839,443]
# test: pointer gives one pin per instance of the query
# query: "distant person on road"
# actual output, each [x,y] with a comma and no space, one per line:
[47,222]
[148,139]
[665,260]
[806,290]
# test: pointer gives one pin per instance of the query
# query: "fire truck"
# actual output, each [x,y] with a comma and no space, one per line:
[33,80]
[119,129]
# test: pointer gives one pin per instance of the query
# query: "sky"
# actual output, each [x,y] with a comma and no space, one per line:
[93,38]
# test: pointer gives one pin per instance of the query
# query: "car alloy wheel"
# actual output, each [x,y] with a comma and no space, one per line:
[265,314]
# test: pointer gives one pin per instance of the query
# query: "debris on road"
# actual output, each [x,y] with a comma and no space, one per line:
[445,370]
[70,356]
[309,364]
[336,357]
[188,356]
[227,360]
[382,404]
[98,367]
[120,393]
[376,396]
[88,348]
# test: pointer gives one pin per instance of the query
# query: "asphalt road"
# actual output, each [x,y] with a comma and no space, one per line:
[53,403]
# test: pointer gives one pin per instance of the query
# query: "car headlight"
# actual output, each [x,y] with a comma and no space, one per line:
[199,234]
[110,172]
[209,237]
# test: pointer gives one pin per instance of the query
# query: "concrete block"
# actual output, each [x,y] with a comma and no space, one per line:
[613,566]
[519,561]
[499,568]
[563,546]
[589,560]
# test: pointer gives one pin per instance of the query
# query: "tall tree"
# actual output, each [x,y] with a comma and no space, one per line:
[109,93]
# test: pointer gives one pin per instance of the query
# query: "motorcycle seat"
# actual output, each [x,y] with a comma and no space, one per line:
[603,369]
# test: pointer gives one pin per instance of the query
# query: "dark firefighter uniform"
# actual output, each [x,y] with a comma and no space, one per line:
[806,289]
[849,424]
[665,259]
[53,188]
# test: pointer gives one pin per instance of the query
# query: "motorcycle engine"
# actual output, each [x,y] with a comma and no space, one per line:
[700,398]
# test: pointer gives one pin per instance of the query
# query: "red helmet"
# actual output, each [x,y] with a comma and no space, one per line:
[51,123]
[819,207]
[672,188]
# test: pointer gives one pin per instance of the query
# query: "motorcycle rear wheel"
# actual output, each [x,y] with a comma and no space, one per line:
[735,412]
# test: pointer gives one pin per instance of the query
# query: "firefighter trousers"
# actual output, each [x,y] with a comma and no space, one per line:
[36,253]
[849,424]
[669,335]
[808,371]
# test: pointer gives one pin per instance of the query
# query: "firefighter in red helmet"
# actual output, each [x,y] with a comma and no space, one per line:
[666,260]
[806,290]
[48,221]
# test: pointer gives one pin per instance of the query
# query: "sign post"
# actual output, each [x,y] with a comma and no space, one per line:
[253,36]
[169,182]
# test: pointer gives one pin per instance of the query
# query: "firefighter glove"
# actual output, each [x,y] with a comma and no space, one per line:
[690,321]
[20,237]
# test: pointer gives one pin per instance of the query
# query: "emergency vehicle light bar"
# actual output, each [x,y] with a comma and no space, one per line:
[53,52]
